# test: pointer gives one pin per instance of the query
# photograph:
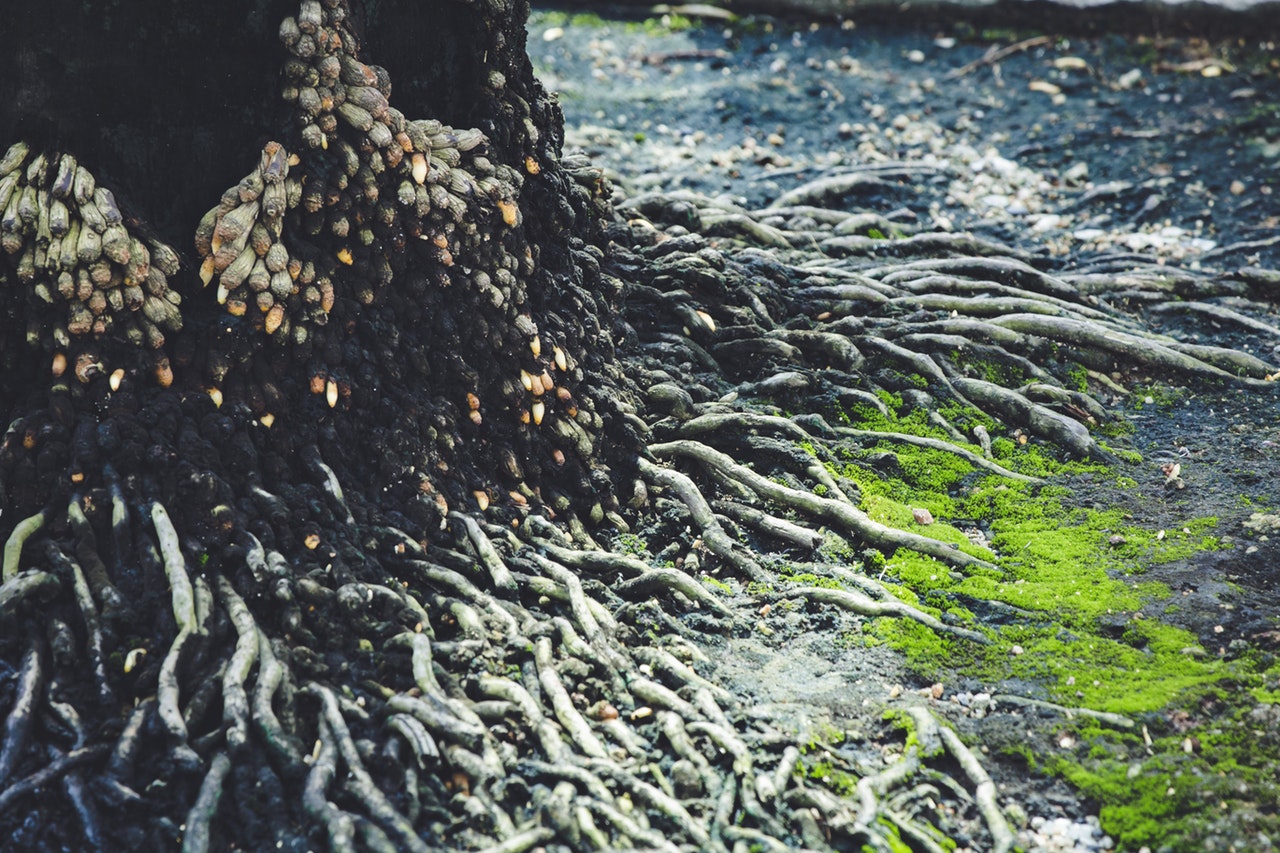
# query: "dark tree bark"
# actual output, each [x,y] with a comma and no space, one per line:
[430,302]
[312,366]
[400,293]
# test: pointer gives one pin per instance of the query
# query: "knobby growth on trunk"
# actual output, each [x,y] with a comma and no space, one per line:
[329,382]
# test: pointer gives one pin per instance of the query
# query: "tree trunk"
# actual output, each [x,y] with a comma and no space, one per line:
[435,272]
[312,360]
[394,285]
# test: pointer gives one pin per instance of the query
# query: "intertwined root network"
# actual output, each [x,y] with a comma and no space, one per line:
[503,687]
[512,677]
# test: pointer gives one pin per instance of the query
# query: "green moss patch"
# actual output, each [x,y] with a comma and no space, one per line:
[1198,772]
[1075,620]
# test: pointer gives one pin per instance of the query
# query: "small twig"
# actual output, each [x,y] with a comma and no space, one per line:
[994,55]
[1118,720]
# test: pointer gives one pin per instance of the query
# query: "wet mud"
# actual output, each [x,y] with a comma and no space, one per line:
[1112,150]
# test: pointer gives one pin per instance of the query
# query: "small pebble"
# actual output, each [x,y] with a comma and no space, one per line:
[1129,79]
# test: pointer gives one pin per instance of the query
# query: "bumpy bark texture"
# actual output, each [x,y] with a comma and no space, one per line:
[491,331]
[393,286]
[307,356]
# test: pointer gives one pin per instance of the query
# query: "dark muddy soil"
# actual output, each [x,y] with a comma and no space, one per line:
[1142,134]
[1106,151]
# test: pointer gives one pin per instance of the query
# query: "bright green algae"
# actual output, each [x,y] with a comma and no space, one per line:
[1073,622]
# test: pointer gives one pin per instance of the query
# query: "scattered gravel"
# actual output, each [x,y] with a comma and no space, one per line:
[1163,150]
[1060,835]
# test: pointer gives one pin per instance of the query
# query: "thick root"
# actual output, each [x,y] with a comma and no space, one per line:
[497,680]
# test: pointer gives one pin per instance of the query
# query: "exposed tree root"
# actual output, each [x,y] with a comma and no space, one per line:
[284,662]
[494,688]
[852,519]
[599,702]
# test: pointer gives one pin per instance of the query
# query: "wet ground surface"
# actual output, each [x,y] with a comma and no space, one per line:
[1157,143]
[1229,449]
[1111,150]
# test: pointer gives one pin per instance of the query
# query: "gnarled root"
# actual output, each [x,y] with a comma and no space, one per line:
[628,744]
[231,675]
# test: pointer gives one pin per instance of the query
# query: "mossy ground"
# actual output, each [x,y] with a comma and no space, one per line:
[1058,574]
[1075,619]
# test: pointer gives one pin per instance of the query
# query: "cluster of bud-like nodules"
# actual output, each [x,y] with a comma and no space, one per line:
[71,247]
[389,178]
[389,195]
[240,242]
